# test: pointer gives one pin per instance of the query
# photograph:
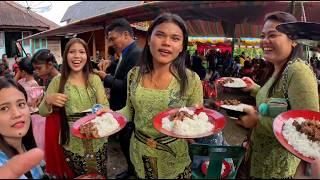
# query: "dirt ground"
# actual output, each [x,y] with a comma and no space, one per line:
[116,160]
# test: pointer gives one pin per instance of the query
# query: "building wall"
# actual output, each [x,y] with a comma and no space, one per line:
[2,44]
[100,40]
[98,37]
[55,47]
[27,44]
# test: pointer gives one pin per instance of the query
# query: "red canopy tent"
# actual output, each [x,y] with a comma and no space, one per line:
[202,48]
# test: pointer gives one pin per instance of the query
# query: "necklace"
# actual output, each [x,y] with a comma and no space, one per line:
[153,83]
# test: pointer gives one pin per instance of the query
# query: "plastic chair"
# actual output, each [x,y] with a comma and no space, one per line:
[216,155]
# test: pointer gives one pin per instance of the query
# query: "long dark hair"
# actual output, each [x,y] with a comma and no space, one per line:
[177,67]
[43,56]
[25,65]
[65,72]
[282,17]
[27,140]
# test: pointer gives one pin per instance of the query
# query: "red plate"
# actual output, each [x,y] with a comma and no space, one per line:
[279,121]
[224,174]
[91,176]
[75,128]
[216,118]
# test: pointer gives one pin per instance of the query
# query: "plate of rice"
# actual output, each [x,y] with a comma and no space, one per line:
[299,132]
[232,82]
[233,107]
[189,122]
[98,126]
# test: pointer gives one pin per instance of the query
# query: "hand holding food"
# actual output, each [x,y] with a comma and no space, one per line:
[250,119]
[100,126]
[250,84]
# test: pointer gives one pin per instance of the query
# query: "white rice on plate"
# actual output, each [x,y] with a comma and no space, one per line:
[299,141]
[238,107]
[237,83]
[200,124]
[105,124]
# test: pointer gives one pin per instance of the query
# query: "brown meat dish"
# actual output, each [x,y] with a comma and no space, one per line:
[310,128]
[226,80]
[231,102]
[89,130]
[180,115]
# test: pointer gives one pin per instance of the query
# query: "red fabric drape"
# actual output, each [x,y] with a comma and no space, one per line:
[54,156]
[208,91]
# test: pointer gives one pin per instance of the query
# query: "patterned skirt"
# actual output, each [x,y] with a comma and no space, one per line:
[150,164]
[150,168]
[89,163]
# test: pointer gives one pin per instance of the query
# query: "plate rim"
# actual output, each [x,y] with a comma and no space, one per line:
[76,125]
[277,127]
[236,87]
[219,104]
[158,126]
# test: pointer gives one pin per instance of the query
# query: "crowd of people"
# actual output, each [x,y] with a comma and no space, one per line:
[143,83]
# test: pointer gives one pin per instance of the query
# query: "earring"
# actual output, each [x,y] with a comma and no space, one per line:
[294,44]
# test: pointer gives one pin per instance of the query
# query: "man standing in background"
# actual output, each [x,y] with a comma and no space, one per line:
[120,35]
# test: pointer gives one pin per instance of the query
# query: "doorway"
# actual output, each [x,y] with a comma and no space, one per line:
[10,43]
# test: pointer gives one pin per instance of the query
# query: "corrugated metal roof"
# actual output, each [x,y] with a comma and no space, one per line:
[87,9]
[237,12]
[13,14]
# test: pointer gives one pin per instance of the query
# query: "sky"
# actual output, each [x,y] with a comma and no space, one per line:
[56,12]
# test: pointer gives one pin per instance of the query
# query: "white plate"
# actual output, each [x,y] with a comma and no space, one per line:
[238,107]
[238,83]
[88,110]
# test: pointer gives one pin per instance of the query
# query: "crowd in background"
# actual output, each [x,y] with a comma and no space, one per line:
[216,64]
[140,92]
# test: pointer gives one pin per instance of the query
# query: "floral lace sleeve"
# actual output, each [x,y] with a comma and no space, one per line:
[99,91]
[128,110]
[52,88]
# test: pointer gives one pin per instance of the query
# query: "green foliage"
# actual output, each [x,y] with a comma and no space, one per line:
[251,52]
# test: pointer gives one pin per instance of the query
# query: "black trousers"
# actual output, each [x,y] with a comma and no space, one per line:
[124,138]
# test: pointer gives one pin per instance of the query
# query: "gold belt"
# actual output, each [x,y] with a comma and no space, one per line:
[157,143]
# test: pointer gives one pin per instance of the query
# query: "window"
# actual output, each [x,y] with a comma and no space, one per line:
[44,43]
[26,34]
[37,44]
